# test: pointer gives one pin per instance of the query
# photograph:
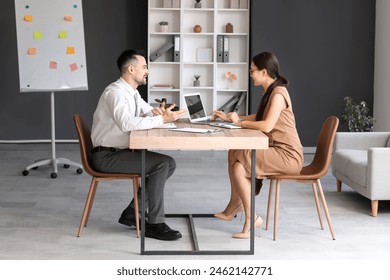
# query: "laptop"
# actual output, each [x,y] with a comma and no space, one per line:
[197,112]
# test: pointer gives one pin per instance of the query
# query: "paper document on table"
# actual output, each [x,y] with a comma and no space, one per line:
[195,130]
[166,125]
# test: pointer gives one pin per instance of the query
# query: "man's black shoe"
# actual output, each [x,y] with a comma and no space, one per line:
[161,231]
[128,219]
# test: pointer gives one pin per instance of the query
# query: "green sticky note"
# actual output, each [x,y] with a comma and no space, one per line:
[62,35]
[37,35]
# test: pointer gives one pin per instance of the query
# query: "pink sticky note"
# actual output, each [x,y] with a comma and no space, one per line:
[53,65]
[73,67]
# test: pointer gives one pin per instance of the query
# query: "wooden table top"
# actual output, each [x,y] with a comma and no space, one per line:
[224,139]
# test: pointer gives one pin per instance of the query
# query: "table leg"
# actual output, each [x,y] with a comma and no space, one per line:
[143,187]
[253,176]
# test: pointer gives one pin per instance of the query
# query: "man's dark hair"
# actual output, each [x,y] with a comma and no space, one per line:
[128,57]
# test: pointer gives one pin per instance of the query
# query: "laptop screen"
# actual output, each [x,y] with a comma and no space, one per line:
[195,106]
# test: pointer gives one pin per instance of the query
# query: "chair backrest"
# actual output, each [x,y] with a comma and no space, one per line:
[322,157]
[84,134]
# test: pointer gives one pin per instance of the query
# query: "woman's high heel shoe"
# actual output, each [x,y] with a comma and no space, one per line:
[229,217]
[246,235]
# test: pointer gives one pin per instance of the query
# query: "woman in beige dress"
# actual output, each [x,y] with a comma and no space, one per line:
[276,119]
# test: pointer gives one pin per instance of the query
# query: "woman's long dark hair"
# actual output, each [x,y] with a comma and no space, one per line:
[268,61]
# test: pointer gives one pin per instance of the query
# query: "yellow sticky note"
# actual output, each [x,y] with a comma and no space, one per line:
[28,18]
[70,50]
[37,35]
[62,35]
[32,51]
[68,18]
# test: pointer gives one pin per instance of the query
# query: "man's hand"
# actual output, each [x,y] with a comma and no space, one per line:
[157,111]
[171,116]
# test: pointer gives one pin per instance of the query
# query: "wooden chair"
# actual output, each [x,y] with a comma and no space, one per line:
[310,174]
[84,134]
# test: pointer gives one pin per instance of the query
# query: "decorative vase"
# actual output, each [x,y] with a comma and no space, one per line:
[229,28]
[163,26]
[197,28]
[198,4]
[196,83]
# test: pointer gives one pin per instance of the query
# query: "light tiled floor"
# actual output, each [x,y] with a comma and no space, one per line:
[39,216]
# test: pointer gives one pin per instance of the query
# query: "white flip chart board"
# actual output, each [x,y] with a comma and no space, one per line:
[51,48]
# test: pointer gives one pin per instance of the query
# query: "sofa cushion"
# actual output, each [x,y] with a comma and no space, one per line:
[352,164]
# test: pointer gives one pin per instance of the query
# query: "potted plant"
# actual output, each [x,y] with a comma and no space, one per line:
[356,116]
[196,81]
[198,4]
[163,26]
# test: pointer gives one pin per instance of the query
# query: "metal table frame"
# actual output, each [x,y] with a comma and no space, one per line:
[195,245]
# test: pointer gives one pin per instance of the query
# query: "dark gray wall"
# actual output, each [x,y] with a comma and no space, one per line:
[110,27]
[325,48]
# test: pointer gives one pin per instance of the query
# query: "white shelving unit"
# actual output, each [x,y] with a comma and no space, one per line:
[212,17]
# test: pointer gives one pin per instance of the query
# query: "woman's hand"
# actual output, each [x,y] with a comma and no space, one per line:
[219,115]
[234,118]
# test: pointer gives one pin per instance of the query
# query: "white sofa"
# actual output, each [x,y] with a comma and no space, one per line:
[361,160]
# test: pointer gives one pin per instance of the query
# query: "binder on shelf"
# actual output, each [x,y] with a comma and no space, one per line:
[167,4]
[161,51]
[225,49]
[243,4]
[239,102]
[234,4]
[228,106]
[176,48]
[219,48]
[175,3]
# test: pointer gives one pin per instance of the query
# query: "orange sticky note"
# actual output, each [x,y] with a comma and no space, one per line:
[53,65]
[28,18]
[32,51]
[68,18]
[73,67]
[62,35]
[70,50]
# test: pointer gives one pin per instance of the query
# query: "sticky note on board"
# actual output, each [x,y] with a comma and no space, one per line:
[70,50]
[37,35]
[28,18]
[32,51]
[53,65]
[62,35]
[68,18]
[73,67]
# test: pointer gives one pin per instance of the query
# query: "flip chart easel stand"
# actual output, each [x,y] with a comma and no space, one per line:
[53,160]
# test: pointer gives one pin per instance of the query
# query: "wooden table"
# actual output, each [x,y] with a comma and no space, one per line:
[225,139]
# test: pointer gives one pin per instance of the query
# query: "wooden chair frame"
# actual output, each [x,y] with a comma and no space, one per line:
[309,174]
[84,135]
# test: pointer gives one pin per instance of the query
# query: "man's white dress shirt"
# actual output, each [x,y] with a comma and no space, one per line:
[120,110]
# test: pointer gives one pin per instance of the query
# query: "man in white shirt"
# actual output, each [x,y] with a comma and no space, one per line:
[120,110]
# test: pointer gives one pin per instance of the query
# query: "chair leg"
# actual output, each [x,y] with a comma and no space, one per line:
[374,207]
[92,200]
[317,204]
[88,203]
[269,202]
[276,207]
[339,183]
[136,209]
[325,208]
